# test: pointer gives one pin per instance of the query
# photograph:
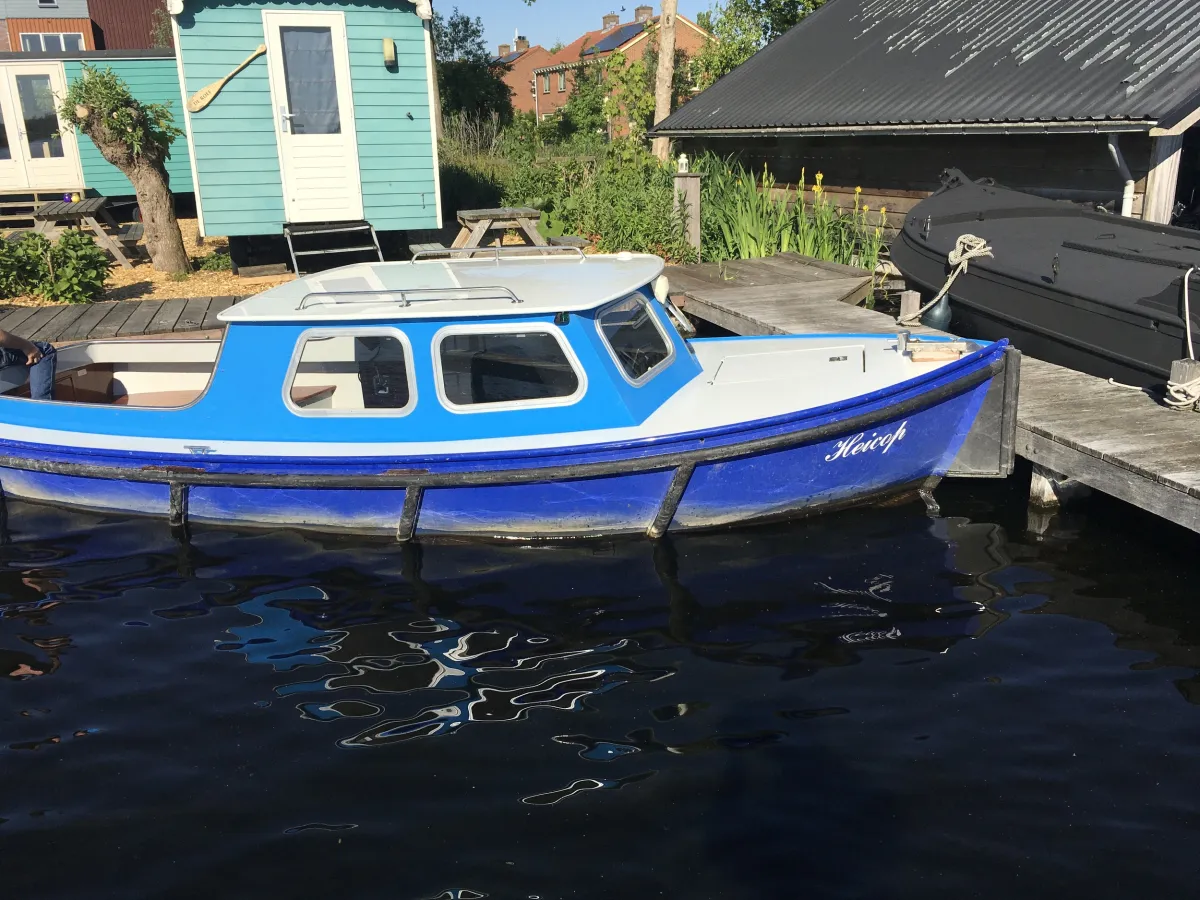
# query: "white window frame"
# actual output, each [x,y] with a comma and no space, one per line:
[562,82]
[360,331]
[47,4]
[41,36]
[507,328]
[546,83]
[654,370]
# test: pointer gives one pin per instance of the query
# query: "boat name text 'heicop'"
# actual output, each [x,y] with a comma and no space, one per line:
[853,446]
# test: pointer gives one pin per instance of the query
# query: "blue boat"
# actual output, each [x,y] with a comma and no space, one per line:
[499,396]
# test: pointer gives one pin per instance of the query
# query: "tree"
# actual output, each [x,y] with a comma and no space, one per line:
[740,29]
[468,82]
[135,137]
[665,77]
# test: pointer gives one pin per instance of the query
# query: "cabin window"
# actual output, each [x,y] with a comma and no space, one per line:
[351,373]
[505,367]
[635,338]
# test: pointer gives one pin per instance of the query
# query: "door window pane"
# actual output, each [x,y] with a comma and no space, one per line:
[31,43]
[505,368]
[634,336]
[311,83]
[351,372]
[52,42]
[72,42]
[5,150]
[41,122]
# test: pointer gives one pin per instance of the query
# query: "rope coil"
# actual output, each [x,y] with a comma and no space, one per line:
[966,248]
[1185,394]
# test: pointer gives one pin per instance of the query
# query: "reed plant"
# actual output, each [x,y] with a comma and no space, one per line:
[747,215]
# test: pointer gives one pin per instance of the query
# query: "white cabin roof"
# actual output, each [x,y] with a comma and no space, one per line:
[426,289]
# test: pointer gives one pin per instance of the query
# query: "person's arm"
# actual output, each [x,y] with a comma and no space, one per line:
[12,342]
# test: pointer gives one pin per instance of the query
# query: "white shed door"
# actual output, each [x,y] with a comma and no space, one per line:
[309,67]
[38,153]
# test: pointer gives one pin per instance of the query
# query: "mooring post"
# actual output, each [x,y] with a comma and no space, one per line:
[910,302]
[1048,489]
[687,197]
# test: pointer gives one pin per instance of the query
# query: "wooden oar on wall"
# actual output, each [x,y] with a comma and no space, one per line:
[205,95]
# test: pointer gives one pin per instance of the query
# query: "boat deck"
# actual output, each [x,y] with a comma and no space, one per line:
[1114,440]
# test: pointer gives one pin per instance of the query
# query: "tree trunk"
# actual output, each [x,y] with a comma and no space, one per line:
[665,79]
[164,242]
[150,181]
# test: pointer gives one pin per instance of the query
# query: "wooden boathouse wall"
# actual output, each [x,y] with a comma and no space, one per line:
[899,171]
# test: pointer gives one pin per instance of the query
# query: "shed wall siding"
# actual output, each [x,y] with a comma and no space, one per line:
[150,81]
[1067,166]
[234,137]
[41,25]
[29,9]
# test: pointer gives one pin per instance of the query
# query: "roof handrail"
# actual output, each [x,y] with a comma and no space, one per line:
[405,298]
[523,252]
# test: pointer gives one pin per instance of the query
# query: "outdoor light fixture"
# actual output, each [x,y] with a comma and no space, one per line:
[389,53]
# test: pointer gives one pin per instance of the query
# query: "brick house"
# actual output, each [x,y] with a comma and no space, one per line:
[553,82]
[521,60]
[58,26]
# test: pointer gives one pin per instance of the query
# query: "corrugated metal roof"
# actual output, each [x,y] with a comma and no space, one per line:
[124,24]
[942,62]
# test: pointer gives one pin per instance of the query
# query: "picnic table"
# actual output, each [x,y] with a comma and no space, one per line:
[91,213]
[476,223]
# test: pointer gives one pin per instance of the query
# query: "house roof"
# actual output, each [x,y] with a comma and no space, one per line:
[508,59]
[917,66]
[467,288]
[603,41]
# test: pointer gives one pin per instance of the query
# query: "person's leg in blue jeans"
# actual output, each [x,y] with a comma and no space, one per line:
[39,357]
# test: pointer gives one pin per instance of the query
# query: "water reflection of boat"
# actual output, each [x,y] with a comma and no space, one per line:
[425,641]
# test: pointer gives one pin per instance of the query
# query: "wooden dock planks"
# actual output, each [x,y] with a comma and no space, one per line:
[1118,441]
[112,318]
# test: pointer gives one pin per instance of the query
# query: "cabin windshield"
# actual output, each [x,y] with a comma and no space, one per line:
[635,338]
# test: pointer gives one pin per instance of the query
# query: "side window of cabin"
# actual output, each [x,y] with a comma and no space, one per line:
[505,367]
[351,373]
[635,337]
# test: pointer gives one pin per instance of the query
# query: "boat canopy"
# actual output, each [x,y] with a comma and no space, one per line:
[440,288]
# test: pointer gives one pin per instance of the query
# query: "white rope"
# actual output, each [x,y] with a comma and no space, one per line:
[1185,394]
[966,248]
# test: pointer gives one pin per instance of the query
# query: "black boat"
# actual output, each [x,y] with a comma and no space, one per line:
[1068,284]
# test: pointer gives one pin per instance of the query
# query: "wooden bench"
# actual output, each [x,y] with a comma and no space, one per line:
[433,247]
[131,234]
[570,240]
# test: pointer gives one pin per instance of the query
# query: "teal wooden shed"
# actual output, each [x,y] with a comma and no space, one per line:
[324,114]
[39,155]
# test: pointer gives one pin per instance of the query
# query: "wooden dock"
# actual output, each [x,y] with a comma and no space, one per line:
[1073,427]
[65,322]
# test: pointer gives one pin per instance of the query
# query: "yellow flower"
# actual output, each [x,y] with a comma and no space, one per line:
[883,210]
[866,208]
[858,190]
[820,177]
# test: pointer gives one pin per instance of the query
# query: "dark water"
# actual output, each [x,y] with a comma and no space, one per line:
[875,704]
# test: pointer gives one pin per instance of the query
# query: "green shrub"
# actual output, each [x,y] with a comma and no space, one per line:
[217,261]
[73,270]
[78,269]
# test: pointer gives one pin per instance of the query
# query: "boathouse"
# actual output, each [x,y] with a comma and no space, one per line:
[323,114]
[42,159]
[1094,102]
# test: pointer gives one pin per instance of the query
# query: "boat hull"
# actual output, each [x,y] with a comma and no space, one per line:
[1097,293]
[864,450]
